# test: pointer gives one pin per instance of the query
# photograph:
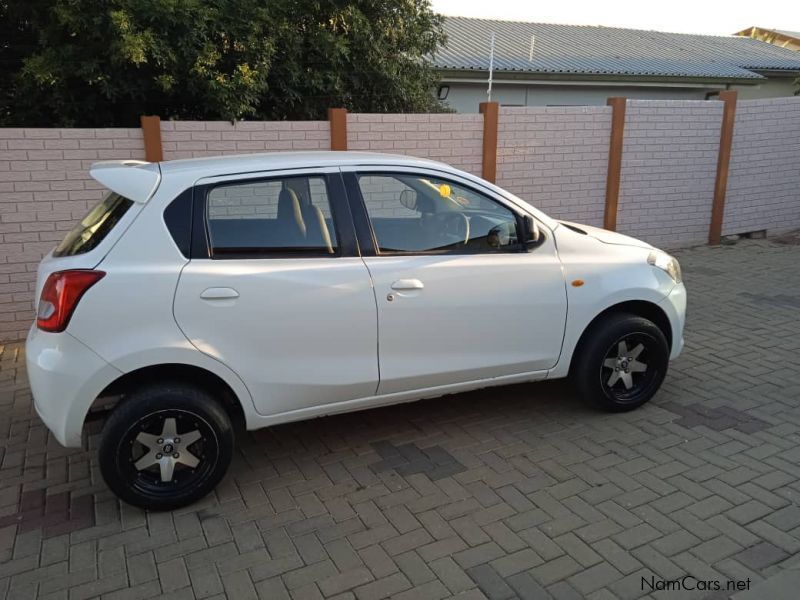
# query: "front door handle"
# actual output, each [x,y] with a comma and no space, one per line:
[407,284]
[219,293]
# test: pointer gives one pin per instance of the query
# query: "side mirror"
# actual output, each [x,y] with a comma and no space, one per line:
[531,233]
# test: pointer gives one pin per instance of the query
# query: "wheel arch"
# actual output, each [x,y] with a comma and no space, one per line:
[176,372]
[640,308]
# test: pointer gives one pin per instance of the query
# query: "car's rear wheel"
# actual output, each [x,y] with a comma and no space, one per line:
[621,362]
[165,446]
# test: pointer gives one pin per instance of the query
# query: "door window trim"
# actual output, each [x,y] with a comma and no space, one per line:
[365,231]
[347,244]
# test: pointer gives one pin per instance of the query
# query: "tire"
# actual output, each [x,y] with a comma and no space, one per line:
[603,369]
[146,428]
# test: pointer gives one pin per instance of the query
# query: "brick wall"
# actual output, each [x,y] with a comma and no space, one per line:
[556,158]
[456,139]
[189,139]
[669,163]
[764,177]
[44,188]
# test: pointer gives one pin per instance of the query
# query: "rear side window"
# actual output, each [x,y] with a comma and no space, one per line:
[94,227]
[290,215]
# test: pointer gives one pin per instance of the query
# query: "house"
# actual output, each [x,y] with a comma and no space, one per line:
[540,64]
[778,37]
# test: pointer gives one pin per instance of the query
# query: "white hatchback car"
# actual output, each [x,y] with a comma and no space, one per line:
[279,287]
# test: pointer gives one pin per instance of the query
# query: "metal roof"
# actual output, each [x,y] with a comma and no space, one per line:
[591,50]
[794,34]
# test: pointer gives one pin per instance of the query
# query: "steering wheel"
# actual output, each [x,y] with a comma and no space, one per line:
[454,224]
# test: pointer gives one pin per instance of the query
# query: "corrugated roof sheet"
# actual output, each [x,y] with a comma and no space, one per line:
[794,34]
[590,50]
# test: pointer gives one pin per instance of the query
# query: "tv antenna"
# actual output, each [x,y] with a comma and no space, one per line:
[491,67]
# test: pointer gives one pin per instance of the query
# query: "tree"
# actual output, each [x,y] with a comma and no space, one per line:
[105,62]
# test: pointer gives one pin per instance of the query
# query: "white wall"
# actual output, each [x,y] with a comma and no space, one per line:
[465,97]
[775,87]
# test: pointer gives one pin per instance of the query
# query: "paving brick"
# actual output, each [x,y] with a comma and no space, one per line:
[760,556]
[517,562]
[548,502]
[676,542]
[341,582]
[272,589]
[173,575]
[239,585]
[205,582]
[636,536]
[490,583]
[452,575]
[555,570]
[594,578]
[617,556]
[383,588]
[578,549]
[309,574]
[526,587]
[478,555]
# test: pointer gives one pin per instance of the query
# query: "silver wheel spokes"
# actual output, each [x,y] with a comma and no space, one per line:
[624,365]
[167,449]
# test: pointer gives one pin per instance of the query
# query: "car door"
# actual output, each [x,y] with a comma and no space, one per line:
[275,289]
[460,298]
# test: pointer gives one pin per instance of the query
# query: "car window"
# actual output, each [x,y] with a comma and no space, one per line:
[95,226]
[416,213]
[290,215]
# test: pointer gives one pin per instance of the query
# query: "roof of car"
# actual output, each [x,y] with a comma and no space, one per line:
[211,166]
[138,180]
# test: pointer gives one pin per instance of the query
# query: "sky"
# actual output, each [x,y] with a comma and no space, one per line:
[712,17]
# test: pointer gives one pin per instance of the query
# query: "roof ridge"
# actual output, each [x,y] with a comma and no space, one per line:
[610,27]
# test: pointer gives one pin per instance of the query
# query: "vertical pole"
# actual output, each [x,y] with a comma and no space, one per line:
[728,97]
[614,161]
[491,70]
[151,130]
[490,111]
[338,121]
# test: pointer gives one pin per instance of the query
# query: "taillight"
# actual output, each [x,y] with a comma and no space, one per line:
[60,296]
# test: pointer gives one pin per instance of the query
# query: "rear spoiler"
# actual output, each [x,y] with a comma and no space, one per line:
[137,180]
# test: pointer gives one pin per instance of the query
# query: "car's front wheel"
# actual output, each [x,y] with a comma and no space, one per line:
[165,446]
[621,362]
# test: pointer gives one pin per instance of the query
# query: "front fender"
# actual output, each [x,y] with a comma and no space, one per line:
[600,276]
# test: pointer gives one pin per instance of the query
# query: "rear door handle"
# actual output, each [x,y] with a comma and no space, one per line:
[407,284]
[219,293]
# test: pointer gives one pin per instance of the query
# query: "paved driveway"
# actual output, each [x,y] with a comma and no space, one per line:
[517,491]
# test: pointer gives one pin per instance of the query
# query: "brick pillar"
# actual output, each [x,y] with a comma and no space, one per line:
[490,111]
[614,161]
[337,117]
[723,162]
[151,130]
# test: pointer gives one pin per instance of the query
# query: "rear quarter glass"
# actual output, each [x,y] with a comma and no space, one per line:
[94,227]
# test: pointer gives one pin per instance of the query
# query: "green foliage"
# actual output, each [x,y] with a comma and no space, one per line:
[105,62]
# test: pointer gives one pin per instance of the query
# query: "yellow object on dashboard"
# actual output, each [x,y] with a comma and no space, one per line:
[444,190]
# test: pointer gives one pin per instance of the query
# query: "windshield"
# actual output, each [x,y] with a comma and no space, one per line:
[94,227]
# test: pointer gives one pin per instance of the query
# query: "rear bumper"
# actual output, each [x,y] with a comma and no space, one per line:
[674,305]
[65,378]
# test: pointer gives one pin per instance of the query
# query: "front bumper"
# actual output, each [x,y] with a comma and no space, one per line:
[674,305]
[66,376]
